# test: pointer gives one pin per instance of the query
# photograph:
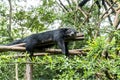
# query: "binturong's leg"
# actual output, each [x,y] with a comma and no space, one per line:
[63,47]
[30,47]
[66,49]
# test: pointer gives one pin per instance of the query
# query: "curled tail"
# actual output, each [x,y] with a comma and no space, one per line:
[15,42]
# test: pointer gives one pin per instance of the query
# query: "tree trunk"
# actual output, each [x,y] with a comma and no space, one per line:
[10,20]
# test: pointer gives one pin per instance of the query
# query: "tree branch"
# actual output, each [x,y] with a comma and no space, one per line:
[116,20]
[54,52]
[63,6]
[106,14]
[83,12]
[109,4]
[109,18]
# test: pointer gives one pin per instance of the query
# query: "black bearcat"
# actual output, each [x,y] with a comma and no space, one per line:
[58,36]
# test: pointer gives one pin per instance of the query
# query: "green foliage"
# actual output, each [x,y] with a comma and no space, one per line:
[59,67]
[117,38]
[94,66]
[47,16]
[96,47]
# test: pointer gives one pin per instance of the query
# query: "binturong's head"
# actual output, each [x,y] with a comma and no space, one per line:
[70,32]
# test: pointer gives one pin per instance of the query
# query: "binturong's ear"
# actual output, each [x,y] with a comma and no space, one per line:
[71,32]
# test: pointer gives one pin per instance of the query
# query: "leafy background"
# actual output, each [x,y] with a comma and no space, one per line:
[101,38]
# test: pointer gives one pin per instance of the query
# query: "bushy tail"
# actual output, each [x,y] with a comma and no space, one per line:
[15,42]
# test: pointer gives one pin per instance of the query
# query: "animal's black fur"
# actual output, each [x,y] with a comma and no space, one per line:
[57,36]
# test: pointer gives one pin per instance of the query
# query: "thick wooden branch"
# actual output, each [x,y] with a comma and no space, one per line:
[12,48]
[41,53]
[54,52]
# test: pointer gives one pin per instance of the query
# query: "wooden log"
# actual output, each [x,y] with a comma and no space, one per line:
[54,52]
[12,48]
[48,51]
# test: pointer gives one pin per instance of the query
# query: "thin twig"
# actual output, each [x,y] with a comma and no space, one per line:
[63,6]
[106,14]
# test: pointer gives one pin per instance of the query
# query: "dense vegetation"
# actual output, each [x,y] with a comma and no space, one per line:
[19,18]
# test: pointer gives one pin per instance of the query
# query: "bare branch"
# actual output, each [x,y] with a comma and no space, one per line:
[109,18]
[63,6]
[116,20]
[106,14]
[109,4]
[83,12]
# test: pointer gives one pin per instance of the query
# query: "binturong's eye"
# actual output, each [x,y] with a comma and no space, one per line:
[71,32]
